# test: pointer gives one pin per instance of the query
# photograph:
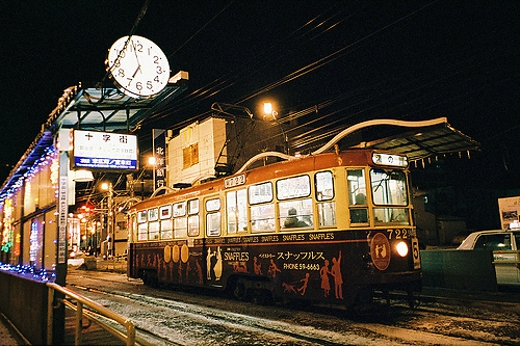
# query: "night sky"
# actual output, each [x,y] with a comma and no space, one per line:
[353,60]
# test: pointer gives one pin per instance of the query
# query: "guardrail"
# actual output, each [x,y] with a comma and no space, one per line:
[84,307]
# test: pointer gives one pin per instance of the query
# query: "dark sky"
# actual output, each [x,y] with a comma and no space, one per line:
[355,60]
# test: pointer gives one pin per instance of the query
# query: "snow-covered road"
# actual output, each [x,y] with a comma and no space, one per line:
[190,318]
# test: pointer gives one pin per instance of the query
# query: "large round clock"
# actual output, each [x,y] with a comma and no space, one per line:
[139,67]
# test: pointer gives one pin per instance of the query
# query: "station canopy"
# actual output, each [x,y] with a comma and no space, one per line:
[108,109]
[419,140]
[93,108]
[425,142]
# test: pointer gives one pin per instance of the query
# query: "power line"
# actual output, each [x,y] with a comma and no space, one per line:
[140,16]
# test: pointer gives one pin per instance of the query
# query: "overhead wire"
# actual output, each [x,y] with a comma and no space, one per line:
[224,82]
[327,59]
[249,66]
[294,75]
[233,77]
[137,21]
[201,29]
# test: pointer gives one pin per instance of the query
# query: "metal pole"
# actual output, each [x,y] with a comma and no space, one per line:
[94,237]
[110,221]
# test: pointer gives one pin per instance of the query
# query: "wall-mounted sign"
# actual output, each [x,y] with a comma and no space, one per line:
[159,149]
[109,151]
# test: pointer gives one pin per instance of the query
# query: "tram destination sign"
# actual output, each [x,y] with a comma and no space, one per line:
[235,181]
[389,160]
[102,150]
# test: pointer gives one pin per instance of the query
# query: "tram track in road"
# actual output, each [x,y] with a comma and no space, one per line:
[501,302]
[189,318]
[237,325]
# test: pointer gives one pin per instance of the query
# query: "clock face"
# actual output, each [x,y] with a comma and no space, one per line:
[138,66]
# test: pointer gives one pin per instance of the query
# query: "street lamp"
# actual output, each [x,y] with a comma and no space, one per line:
[271,113]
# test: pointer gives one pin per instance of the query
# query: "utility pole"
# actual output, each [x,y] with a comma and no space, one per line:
[110,221]
[110,218]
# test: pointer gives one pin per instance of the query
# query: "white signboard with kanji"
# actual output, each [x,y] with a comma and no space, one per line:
[102,150]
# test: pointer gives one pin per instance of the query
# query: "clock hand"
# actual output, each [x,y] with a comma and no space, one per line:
[138,64]
[136,58]
[130,79]
[135,73]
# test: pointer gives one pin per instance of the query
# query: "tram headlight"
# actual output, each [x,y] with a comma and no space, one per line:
[402,249]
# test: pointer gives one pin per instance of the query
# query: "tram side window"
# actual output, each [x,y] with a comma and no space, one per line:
[213,217]
[262,218]
[166,229]
[153,227]
[193,218]
[357,197]
[295,213]
[165,214]
[324,185]
[236,211]
[180,227]
[142,232]
[142,226]
[153,230]
[324,194]
[262,208]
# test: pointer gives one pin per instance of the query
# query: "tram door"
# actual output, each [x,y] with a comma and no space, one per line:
[212,228]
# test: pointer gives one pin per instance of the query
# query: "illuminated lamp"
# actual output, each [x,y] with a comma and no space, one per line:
[402,249]
[83,175]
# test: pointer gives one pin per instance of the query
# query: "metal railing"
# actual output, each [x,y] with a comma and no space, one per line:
[85,307]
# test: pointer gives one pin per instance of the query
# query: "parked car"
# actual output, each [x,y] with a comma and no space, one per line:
[505,245]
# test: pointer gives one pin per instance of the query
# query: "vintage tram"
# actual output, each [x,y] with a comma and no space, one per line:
[335,227]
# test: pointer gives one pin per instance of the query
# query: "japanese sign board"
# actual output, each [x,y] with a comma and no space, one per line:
[159,148]
[101,150]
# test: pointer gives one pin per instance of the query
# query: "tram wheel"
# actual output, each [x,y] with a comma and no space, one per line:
[263,297]
[413,301]
[363,303]
[239,290]
[150,279]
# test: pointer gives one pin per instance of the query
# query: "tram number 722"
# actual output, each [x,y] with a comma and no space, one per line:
[398,234]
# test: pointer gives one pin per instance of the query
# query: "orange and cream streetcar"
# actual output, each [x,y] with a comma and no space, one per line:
[331,227]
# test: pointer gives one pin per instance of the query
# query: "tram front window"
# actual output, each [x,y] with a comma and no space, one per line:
[389,189]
